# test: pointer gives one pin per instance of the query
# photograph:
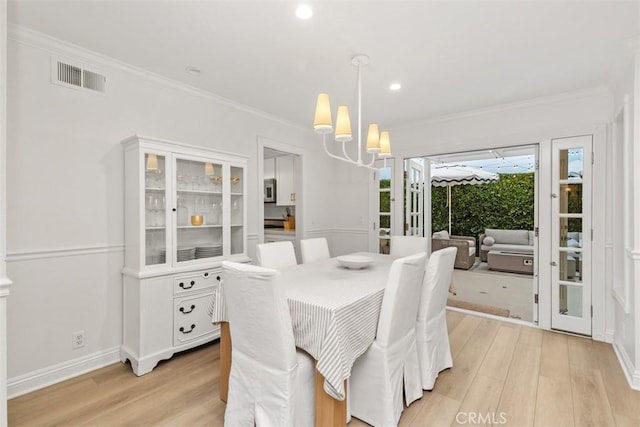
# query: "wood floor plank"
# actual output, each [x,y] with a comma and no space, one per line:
[455,382]
[590,402]
[555,356]
[553,405]
[459,335]
[453,318]
[435,410]
[480,403]
[498,358]
[624,402]
[521,384]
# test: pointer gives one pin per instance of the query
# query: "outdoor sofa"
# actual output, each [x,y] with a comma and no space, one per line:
[514,241]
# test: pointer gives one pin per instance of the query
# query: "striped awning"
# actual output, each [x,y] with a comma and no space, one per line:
[443,176]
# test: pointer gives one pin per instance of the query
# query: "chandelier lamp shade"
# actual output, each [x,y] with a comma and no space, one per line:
[378,144]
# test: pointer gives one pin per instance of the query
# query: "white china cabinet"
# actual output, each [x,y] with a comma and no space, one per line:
[185,212]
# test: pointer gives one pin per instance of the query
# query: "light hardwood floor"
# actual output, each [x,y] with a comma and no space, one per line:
[503,374]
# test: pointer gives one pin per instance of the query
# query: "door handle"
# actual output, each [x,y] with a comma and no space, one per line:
[554,264]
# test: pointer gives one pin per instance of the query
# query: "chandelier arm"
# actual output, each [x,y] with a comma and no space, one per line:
[344,150]
[373,159]
[330,154]
[359,112]
[347,160]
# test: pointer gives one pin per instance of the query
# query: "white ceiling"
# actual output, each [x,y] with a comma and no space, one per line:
[451,56]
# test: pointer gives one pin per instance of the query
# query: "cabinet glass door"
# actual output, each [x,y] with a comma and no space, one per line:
[155,214]
[198,208]
[237,209]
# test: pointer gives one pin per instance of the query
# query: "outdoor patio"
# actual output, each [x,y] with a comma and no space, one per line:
[493,292]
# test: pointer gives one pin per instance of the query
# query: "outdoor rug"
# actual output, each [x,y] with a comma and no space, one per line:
[478,307]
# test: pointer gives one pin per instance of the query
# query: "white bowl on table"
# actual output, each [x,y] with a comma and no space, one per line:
[354,262]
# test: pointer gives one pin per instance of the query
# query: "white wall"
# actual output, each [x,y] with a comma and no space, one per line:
[5,283]
[625,321]
[65,196]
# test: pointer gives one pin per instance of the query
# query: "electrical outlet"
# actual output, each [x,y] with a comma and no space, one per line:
[77,339]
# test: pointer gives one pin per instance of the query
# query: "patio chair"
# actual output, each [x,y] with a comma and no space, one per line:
[466,255]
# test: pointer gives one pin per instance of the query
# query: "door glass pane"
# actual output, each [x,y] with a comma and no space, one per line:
[199,210]
[570,266]
[155,209]
[384,207]
[237,211]
[570,232]
[570,162]
[571,198]
[570,300]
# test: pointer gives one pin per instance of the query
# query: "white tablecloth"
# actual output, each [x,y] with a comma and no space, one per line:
[334,312]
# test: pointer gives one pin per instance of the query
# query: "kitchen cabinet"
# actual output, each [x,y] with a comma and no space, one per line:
[285,181]
[184,214]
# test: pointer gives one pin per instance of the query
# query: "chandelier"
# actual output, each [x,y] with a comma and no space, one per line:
[378,143]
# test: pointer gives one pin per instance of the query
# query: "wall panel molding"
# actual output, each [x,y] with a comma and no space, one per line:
[16,256]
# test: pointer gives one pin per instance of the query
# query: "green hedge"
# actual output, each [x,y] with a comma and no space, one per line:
[506,204]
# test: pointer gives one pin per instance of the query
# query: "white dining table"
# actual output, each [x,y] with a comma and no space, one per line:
[334,313]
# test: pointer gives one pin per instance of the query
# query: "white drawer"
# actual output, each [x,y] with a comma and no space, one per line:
[191,319]
[195,282]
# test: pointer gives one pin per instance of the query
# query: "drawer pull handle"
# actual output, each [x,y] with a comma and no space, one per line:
[218,278]
[193,326]
[183,286]
[187,312]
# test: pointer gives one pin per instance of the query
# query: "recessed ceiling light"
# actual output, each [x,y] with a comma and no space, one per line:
[395,86]
[304,11]
[193,70]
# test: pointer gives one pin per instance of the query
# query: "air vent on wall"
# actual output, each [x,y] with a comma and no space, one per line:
[77,77]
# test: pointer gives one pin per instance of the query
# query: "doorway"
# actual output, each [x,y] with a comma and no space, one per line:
[492,205]
[280,201]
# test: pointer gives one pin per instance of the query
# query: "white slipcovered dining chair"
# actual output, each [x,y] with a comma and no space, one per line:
[378,376]
[407,245]
[271,383]
[313,250]
[431,326]
[276,254]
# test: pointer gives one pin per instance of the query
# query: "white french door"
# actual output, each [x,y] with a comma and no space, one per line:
[414,197]
[571,234]
[383,198]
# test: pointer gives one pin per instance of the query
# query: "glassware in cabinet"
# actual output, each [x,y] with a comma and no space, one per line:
[155,218]
[199,232]
[237,189]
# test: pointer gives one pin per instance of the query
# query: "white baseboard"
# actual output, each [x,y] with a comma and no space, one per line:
[54,374]
[630,372]
[608,336]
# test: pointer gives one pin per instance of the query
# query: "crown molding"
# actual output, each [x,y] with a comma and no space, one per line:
[502,108]
[37,40]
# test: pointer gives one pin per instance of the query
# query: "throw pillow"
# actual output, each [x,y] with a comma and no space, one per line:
[488,241]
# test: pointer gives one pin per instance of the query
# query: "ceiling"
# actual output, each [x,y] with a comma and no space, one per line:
[450,56]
